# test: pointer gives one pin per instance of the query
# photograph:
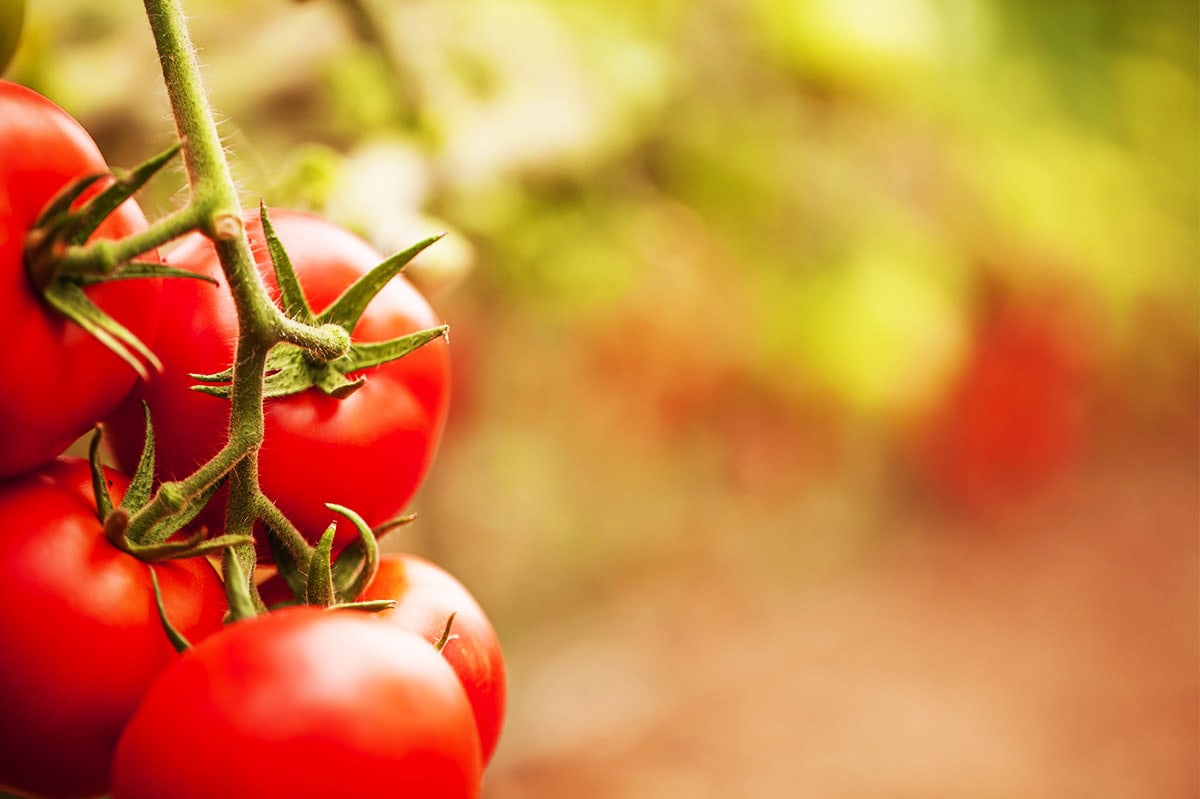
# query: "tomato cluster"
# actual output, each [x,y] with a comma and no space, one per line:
[297,701]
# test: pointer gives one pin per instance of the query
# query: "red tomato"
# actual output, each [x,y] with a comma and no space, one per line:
[67,379]
[302,703]
[368,451]
[81,636]
[425,595]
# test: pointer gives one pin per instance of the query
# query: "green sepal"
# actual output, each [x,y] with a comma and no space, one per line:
[104,503]
[59,227]
[383,529]
[373,353]
[290,552]
[336,385]
[291,296]
[319,590]
[239,592]
[88,217]
[142,482]
[177,639]
[140,269]
[291,369]
[370,606]
[54,214]
[69,300]
[348,308]
[193,546]
[279,358]
[357,564]
[46,235]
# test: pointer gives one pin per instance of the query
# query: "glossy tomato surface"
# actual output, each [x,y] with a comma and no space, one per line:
[368,451]
[79,631]
[303,703]
[425,596]
[59,380]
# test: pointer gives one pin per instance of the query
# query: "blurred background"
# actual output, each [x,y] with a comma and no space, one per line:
[827,371]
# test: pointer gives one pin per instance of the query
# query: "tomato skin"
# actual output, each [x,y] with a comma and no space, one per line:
[425,595]
[368,451]
[302,703]
[69,380]
[80,632]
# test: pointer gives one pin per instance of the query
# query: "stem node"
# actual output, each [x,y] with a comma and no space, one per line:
[226,226]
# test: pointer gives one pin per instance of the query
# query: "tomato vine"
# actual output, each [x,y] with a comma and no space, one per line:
[306,359]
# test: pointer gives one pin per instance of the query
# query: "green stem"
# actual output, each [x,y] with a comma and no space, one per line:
[328,342]
[219,216]
[105,255]
[173,497]
[215,210]
[213,192]
[215,200]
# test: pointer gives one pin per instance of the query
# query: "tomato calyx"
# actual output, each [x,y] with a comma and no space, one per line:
[292,369]
[158,542]
[178,640]
[315,577]
[60,264]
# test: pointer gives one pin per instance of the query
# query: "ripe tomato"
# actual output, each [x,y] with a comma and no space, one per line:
[425,595]
[368,451]
[81,636]
[61,380]
[302,703]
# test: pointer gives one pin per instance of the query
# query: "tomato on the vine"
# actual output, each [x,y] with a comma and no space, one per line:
[425,596]
[79,629]
[59,380]
[368,451]
[303,703]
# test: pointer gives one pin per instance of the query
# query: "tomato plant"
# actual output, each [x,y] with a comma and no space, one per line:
[302,703]
[323,387]
[81,635]
[425,596]
[368,450]
[60,380]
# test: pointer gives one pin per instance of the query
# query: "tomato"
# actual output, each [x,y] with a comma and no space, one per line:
[59,380]
[368,451]
[80,633]
[425,595]
[301,703]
